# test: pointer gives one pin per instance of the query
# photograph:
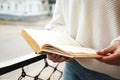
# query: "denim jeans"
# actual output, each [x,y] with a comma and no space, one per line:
[74,71]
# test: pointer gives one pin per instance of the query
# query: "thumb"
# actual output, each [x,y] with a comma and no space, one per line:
[105,51]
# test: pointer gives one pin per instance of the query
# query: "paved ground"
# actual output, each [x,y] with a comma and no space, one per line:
[12,44]
[11,41]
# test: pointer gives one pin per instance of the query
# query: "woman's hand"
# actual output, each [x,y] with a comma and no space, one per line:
[57,58]
[111,54]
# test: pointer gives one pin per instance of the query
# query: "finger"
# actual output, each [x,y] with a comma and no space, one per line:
[57,58]
[50,56]
[105,51]
[113,56]
[111,59]
[53,57]
[64,59]
[68,59]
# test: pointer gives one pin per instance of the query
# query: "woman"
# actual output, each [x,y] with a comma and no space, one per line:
[94,24]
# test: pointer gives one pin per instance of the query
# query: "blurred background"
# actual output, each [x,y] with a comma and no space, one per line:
[14,16]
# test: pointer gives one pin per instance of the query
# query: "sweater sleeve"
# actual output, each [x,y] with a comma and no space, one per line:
[57,21]
[116,39]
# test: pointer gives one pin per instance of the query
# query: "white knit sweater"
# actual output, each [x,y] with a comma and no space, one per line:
[93,23]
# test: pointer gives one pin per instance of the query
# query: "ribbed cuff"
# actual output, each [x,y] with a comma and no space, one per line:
[116,39]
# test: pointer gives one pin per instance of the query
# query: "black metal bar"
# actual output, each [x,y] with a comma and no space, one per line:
[21,64]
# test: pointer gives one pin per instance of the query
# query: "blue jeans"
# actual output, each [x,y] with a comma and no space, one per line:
[74,71]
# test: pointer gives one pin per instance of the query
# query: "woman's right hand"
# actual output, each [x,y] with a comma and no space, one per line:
[57,58]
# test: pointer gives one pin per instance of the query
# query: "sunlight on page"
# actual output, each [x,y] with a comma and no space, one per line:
[51,37]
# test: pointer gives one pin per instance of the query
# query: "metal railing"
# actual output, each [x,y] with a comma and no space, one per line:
[22,64]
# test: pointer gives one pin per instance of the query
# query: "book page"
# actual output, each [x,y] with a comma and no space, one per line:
[76,49]
[71,51]
[54,49]
[55,42]
[79,52]
[51,37]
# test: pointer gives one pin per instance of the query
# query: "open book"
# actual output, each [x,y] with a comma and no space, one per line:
[45,42]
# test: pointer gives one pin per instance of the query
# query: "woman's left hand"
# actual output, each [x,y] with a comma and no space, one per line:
[111,54]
